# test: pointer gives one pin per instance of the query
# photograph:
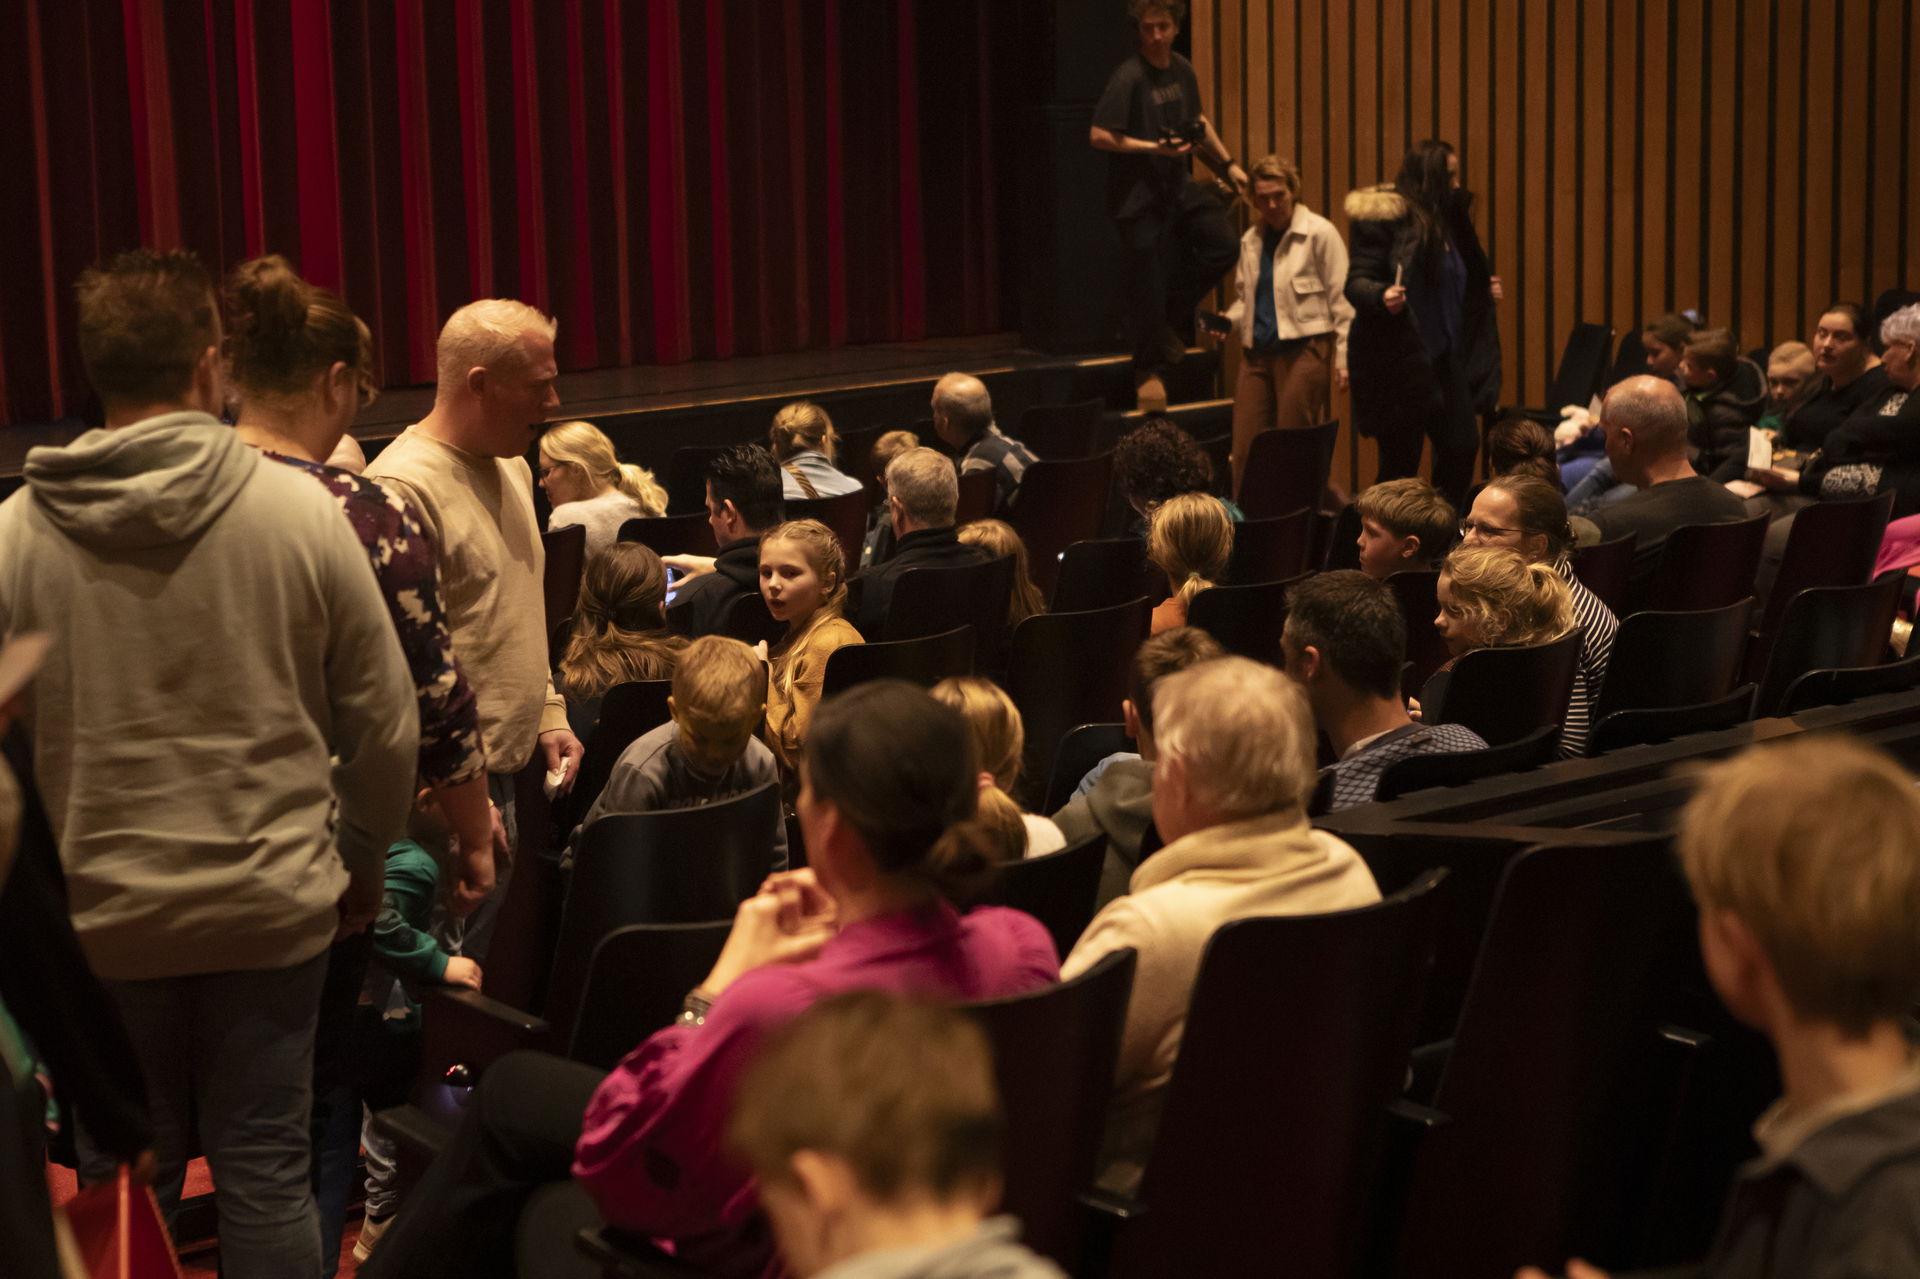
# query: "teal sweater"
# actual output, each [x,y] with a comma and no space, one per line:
[401,943]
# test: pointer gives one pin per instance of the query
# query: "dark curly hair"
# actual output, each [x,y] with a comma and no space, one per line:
[1157,460]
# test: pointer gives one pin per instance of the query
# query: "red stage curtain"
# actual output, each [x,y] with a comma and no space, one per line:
[673,179]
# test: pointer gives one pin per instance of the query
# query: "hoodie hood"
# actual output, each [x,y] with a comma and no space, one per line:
[1745,389]
[155,483]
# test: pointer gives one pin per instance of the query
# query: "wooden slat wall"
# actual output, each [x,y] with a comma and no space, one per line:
[1755,159]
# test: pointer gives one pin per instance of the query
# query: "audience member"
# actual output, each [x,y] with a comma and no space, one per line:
[1847,375]
[302,363]
[1116,798]
[1665,339]
[743,501]
[888,807]
[963,419]
[878,546]
[1584,470]
[619,631]
[1648,428]
[1345,642]
[873,1132]
[461,468]
[1521,446]
[1529,516]
[997,539]
[1156,461]
[804,443]
[1878,447]
[1492,597]
[1724,393]
[707,751]
[1425,347]
[1802,858]
[226,734]
[1404,524]
[803,578]
[921,493]
[1190,540]
[1789,383]
[348,456]
[590,486]
[999,741]
[1230,785]
[1293,334]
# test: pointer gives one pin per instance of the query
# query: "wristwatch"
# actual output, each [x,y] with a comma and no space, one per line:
[693,1009]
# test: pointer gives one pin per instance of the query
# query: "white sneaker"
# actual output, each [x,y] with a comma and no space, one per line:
[370,1232]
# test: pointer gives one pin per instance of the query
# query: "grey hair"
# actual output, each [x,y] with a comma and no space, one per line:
[924,483]
[964,400]
[1243,732]
[483,334]
[1902,326]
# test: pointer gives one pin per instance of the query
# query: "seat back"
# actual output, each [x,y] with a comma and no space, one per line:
[854,453]
[676,866]
[636,981]
[1663,724]
[1702,566]
[924,661]
[566,555]
[1068,669]
[749,621]
[1053,1056]
[1503,694]
[1285,470]
[1828,628]
[1296,1043]
[688,534]
[1629,359]
[687,476]
[1831,544]
[1058,431]
[1057,888]
[1675,659]
[1605,569]
[1060,503]
[1247,620]
[979,492]
[846,515]
[1271,550]
[1583,362]
[1544,1084]
[933,601]
[1837,687]
[628,712]
[1102,572]
[1457,768]
[1343,539]
[1417,590]
[1078,752]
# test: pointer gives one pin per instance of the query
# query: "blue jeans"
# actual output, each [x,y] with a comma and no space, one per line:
[233,1051]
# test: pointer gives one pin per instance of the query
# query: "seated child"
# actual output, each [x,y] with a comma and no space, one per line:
[1404,524]
[619,631]
[707,751]
[803,578]
[878,546]
[999,743]
[871,1124]
[1805,861]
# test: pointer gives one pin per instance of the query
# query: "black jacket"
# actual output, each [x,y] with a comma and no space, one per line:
[922,548]
[1718,417]
[1395,388]
[1872,451]
[700,607]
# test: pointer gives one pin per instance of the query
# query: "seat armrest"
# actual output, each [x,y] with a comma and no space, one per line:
[1111,1203]
[623,1255]
[463,1032]
[473,1001]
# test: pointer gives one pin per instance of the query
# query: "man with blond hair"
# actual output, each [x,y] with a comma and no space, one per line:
[922,492]
[1233,771]
[463,467]
[1804,858]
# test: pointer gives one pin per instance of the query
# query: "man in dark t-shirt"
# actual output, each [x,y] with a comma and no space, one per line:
[1646,424]
[1177,239]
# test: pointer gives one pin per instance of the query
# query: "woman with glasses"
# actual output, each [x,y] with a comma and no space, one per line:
[1525,514]
[589,485]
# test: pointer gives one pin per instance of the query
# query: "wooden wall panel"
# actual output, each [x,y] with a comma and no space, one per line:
[1754,159]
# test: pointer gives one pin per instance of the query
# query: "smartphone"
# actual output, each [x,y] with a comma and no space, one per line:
[1214,322]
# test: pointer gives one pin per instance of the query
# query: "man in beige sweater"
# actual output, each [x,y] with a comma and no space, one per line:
[463,467]
[1235,767]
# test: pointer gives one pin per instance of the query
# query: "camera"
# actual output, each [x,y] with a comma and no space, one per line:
[1193,133]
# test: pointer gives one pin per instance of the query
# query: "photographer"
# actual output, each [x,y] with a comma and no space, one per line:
[1176,235]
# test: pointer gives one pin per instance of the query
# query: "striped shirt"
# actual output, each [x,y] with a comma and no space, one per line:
[1597,627]
[1006,457]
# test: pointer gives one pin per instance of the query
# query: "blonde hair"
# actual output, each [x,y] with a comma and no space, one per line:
[1507,601]
[801,425]
[618,634]
[1814,844]
[1243,732]
[999,741]
[485,334]
[586,446]
[829,563]
[890,445]
[998,539]
[1271,168]
[720,687]
[1189,539]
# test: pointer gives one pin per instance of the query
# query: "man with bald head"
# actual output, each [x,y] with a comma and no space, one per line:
[963,417]
[1645,420]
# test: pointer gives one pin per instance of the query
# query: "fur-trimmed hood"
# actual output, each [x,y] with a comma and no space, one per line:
[1376,204]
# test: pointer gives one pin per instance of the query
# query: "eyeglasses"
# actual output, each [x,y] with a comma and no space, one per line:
[1469,527]
[545,471]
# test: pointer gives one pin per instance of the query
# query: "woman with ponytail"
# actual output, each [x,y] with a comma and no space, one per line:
[803,578]
[888,801]
[619,631]
[1189,539]
[999,741]
[805,447]
[589,485]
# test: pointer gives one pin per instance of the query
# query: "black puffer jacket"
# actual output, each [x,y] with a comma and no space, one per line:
[1395,389]
[1718,417]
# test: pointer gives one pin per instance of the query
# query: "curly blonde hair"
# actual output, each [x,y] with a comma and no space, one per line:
[1190,539]
[998,539]
[1506,601]
[586,446]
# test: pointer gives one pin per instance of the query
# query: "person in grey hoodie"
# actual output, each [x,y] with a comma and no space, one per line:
[224,731]
[872,1126]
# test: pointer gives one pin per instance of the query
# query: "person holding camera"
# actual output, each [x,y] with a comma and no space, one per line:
[1176,237]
